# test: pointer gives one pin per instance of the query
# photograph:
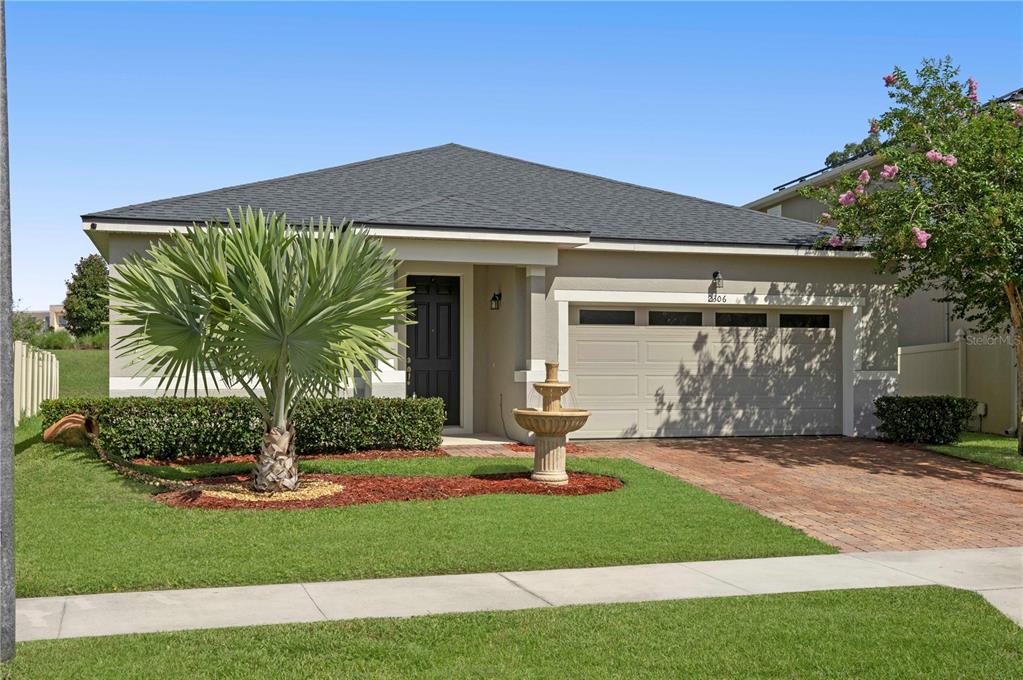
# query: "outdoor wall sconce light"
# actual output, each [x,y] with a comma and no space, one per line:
[717,279]
[495,301]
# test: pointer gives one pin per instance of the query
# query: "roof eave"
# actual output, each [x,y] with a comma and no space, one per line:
[780,195]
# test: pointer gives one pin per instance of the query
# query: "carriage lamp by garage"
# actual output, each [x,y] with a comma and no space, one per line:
[495,301]
[717,279]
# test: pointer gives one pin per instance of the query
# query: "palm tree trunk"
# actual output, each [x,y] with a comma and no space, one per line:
[275,468]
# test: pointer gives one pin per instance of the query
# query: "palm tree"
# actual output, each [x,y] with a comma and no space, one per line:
[285,313]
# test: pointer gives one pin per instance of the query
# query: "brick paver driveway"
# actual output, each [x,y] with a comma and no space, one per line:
[855,494]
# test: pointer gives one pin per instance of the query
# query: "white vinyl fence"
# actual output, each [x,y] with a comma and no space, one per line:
[36,377]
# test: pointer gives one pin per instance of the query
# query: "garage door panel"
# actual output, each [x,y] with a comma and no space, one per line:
[664,352]
[607,351]
[611,422]
[809,358]
[607,385]
[810,336]
[746,358]
[687,381]
[743,401]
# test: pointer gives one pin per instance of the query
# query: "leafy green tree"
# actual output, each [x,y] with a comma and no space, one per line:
[283,313]
[85,307]
[870,144]
[25,326]
[946,209]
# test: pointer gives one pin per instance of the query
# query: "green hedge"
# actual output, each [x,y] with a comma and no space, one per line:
[171,427]
[924,420]
[332,425]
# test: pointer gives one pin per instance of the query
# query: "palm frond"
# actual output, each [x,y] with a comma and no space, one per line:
[289,311]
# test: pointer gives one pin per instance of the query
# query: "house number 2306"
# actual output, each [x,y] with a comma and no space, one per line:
[714,297]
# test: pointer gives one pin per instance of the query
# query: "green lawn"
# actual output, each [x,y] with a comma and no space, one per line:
[929,632]
[83,372]
[985,448]
[81,528]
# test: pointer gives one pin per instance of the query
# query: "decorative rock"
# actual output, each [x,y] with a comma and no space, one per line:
[72,430]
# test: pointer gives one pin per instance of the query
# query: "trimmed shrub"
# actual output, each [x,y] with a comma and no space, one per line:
[345,425]
[166,428]
[53,340]
[923,420]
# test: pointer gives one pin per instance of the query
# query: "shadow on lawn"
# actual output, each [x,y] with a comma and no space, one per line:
[28,443]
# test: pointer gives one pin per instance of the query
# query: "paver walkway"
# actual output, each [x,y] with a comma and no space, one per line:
[995,573]
[855,494]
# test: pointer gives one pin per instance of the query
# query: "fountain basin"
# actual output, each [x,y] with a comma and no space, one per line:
[550,423]
[549,426]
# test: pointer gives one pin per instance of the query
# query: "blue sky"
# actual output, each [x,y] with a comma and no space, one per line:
[118,103]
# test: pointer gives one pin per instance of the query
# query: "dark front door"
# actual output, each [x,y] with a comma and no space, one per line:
[432,360]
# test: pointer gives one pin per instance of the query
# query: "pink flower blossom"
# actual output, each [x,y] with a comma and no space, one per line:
[826,216]
[875,127]
[859,189]
[939,157]
[848,198]
[835,241]
[920,236]
[1018,110]
[864,177]
[890,79]
[971,86]
[889,171]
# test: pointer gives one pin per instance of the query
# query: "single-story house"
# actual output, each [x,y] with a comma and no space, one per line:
[670,315]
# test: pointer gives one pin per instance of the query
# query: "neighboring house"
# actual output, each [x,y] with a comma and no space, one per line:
[56,319]
[670,315]
[52,319]
[937,352]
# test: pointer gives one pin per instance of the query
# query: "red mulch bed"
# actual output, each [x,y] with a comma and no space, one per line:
[357,455]
[361,489]
[571,449]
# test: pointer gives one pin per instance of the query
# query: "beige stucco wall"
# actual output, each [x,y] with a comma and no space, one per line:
[501,339]
[799,208]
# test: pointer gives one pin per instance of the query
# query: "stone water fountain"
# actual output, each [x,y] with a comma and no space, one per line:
[550,425]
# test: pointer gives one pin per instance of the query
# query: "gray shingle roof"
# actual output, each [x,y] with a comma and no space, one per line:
[459,187]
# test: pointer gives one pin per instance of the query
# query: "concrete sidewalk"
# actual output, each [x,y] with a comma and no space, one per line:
[996,573]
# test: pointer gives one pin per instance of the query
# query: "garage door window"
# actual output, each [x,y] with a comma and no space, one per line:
[607,317]
[660,318]
[805,321]
[740,319]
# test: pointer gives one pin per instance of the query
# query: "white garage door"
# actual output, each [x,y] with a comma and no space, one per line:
[705,380]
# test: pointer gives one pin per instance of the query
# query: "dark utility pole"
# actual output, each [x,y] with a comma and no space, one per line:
[6,373]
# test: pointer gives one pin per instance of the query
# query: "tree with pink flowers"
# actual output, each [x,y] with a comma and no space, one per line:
[945,211]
